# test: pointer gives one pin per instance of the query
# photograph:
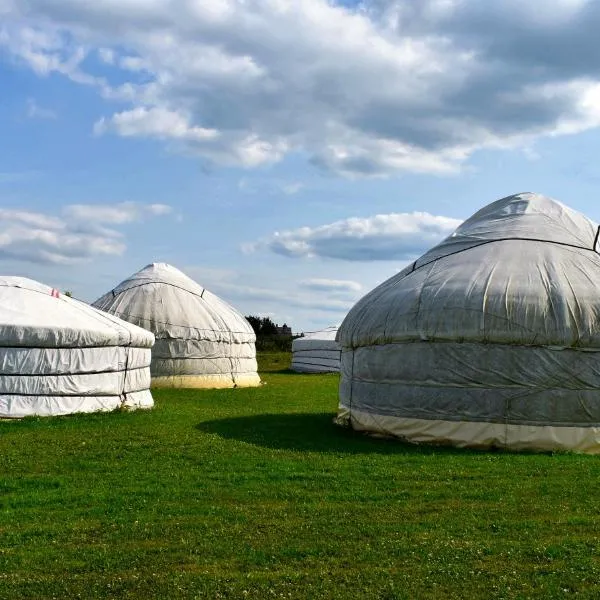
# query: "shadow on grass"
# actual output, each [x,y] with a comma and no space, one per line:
[310,432]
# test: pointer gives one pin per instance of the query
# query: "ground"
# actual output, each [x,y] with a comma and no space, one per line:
[254,493]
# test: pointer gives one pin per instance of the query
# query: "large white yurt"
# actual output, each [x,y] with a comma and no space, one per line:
[201,341]
[60,356]
[490,339]
[316,352]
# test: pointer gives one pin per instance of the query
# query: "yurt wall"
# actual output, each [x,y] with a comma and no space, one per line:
[492,338]
[60,356]
[201,341]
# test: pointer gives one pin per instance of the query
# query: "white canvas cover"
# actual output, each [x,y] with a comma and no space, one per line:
[60,356]
[201,341]
[316,352]
[491,338]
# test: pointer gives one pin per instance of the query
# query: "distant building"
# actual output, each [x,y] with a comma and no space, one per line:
[284,330]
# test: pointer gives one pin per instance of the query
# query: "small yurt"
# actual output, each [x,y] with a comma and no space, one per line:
[316,352]
[60,356]
[490,339]
[201,341]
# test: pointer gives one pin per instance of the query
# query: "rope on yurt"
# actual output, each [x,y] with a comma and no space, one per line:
[351,386]
[123,392]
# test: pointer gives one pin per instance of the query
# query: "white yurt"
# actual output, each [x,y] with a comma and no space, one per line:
[490,339]
[60,356]
[201,341]
[316,352]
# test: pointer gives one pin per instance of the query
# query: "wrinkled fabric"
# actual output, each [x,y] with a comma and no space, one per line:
[47,406]
[316,352]
[59,355]
[499,323]
[34,318]
[197,333]
[477,435]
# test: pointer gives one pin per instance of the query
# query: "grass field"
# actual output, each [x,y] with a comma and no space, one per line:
[255,494]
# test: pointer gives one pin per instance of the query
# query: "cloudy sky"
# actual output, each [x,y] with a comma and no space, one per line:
[287,154]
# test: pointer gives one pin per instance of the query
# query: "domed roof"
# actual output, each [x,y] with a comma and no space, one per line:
[523,270]
[166,301]
[201,341]
[35,315]
[328,333]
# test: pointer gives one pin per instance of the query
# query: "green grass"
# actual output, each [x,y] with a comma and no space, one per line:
[270,362]
[254,493]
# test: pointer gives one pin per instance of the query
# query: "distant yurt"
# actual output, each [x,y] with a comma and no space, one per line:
[316,352]
[201,341]
[490,339]
[60,356]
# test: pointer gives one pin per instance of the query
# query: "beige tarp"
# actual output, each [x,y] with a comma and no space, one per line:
[201,341]
[499,324]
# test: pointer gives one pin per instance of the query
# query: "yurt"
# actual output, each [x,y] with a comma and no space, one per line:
[201,341]
[60,356]
[490,339]
[316,352]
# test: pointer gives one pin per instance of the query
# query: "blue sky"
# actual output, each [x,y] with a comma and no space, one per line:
[289,156]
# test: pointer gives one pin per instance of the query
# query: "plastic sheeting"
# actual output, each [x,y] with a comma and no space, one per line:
[59,356]
[316,352]
[498,324]
[201,341]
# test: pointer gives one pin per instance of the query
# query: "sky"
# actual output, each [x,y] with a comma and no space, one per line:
[289,155]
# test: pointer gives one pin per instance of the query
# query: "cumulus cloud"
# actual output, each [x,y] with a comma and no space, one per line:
[331,285]
[309,303]
[278,297]
[395,236]
[77,235]
[382,87]
[154,122]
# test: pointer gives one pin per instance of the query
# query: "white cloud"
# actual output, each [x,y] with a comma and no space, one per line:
[292,302]
[389,86]
[395,236]
[292,188]
[107,56]
[45,50]
[154,122]
[115,214]
[75,236]
[269,186]
[331,285]
[280,297]
[34,111]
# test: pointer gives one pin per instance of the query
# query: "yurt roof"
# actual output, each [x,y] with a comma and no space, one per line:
[522,270]
[160,297]
[328,333]
[35,315]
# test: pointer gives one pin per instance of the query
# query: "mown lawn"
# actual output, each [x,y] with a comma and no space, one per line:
[255,494]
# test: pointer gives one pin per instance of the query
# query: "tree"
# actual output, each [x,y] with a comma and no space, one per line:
[268,337]
[255,323]
[262,325]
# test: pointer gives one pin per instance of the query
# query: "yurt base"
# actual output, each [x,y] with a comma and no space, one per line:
[315,369]
[20,406]
[476,435]
[219,381]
